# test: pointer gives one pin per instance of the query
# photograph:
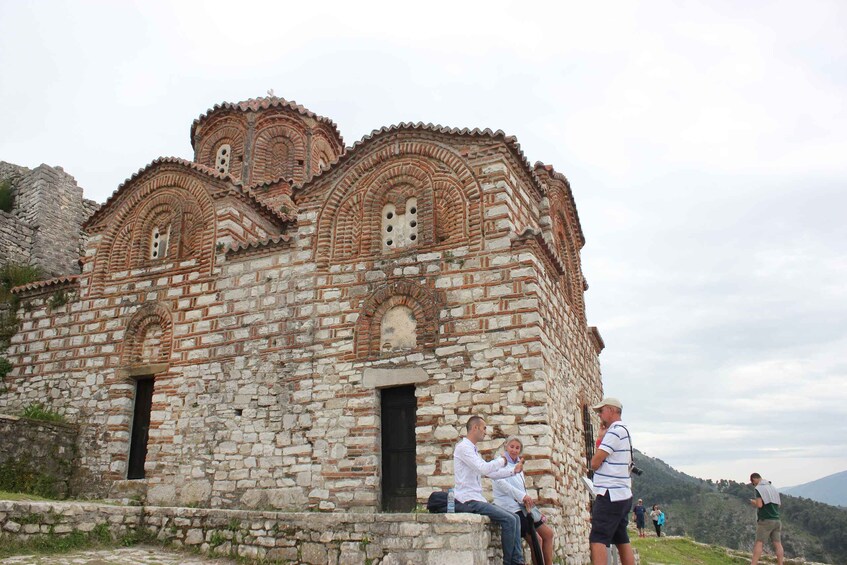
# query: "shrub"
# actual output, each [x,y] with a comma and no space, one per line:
[7,197]
[39,412]
[16,274]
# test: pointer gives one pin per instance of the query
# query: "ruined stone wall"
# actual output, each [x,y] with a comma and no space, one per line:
[305,537]
[42,452]
[44,226]
[16,239]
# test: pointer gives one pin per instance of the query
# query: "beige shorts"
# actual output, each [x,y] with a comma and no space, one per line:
[769,530]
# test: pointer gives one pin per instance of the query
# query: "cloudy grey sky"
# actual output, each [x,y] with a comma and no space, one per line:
[705,143]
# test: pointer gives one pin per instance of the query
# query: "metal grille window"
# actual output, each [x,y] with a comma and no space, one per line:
[588,436]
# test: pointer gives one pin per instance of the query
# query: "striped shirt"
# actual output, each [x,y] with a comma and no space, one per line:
[613,475]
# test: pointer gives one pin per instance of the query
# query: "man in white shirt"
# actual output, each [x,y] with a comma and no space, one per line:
[612,485]
[468,467]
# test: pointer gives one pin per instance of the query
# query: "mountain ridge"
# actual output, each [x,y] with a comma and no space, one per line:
[831,489]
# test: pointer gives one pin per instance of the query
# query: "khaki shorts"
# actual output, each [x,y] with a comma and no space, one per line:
[769,529]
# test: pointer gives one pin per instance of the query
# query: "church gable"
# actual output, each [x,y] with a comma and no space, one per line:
[405,191]
[172,214]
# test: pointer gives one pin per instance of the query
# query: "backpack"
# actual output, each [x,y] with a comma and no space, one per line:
[437,502]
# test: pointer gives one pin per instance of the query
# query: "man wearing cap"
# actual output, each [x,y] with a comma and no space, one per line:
[612,485]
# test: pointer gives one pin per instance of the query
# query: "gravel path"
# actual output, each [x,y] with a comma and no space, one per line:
[140,555]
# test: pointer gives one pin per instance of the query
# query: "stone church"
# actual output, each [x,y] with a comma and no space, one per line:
[285,322]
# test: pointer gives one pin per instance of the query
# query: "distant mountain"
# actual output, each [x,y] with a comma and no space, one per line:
[720,513]
[830,490]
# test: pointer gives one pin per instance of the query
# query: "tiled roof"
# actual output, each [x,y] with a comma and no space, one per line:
[510,141]
[37,285]
[263,103]
[195,167]
[258,244]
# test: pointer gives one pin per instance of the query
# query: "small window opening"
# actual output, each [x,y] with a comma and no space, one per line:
[222,158]
[402,226]
[159,242]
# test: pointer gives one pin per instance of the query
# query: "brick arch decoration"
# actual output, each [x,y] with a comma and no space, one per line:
[395,182]
[322,149]
[119,257]
[272,135]
[137,211]
[564,234]
[151,319]
[421,301]
[232,131]
[449,178]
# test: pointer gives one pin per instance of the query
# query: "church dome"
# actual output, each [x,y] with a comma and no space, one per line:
[264,139]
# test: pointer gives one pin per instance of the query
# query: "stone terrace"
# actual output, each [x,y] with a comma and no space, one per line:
[304,537]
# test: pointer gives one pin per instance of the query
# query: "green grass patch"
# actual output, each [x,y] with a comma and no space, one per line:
[22,496]
[16,476]
[685,551]
[39,412]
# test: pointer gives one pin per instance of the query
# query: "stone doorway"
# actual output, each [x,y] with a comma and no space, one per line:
[140,427]
[399,468]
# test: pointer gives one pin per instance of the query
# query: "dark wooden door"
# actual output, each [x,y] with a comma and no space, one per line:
[399,471]
[140,428]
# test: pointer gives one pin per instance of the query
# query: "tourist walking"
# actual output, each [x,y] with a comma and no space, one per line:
[658,518]
[768,524]
[639,511]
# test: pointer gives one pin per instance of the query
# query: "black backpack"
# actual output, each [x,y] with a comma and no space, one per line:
[437,503]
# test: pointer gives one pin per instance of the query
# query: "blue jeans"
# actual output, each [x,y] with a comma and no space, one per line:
[510,528]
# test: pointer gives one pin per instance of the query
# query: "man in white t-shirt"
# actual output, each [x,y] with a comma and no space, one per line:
[612,485]
[468,468]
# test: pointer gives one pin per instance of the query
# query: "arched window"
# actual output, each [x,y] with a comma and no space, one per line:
[159,242]
[222,158]
[400,229]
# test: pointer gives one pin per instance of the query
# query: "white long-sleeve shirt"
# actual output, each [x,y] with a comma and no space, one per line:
[510,492]
[469,466]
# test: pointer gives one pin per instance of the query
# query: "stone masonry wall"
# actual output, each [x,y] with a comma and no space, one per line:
[44,226]
[46,449]
[16,239]
[305,537]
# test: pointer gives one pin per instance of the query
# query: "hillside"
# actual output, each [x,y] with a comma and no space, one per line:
[831,489]
[719,513]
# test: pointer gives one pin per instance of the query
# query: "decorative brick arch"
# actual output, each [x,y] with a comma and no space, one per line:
[279,150]
[565,235]
[450,194]
[322,150]
[149,337]
[418,299]
[124,238]
[229,131]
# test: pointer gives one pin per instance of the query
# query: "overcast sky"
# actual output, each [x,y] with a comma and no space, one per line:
[706,144]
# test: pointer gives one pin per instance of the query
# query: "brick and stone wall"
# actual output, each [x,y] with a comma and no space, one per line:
[44,227]
[270,341]
[45,452]
[304,537]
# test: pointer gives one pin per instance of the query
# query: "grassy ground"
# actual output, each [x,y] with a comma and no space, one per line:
[20,496]
[684,551]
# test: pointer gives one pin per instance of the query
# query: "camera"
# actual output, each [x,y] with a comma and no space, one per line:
[635,470]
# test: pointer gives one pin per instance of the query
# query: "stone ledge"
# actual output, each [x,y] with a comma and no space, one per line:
[302,537]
